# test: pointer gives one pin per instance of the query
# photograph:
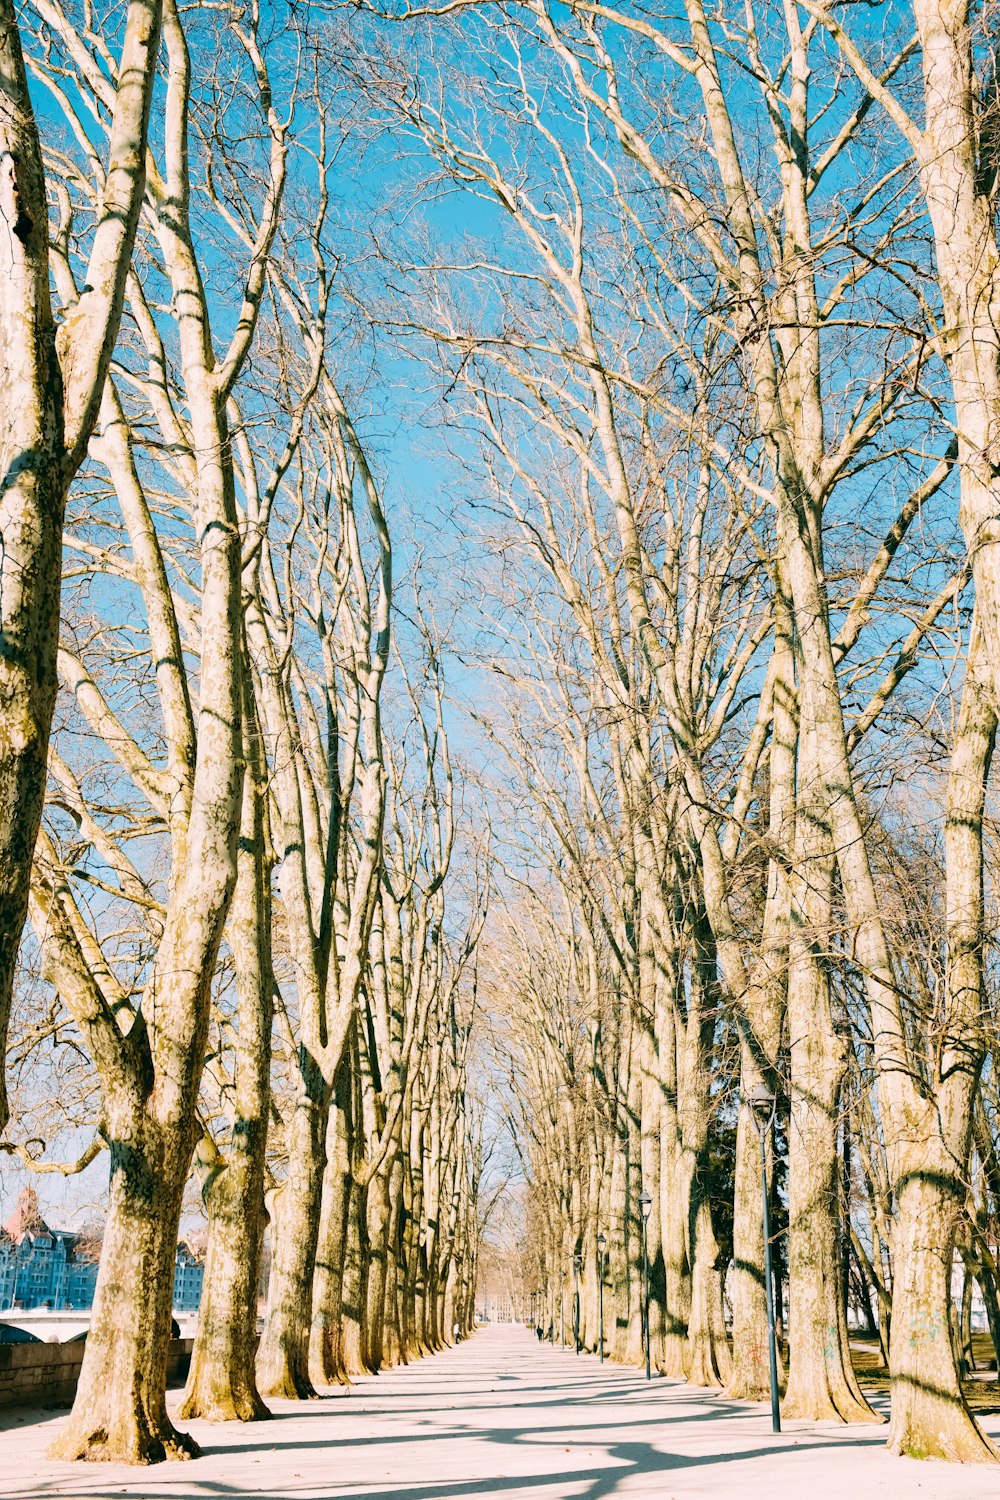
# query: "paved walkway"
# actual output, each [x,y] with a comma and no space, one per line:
[500,1416]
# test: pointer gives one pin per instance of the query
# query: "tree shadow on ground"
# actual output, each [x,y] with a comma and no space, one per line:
[576,1417]
[613,1464]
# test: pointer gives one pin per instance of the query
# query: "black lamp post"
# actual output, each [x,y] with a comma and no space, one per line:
[601,1242]
[645,1205]
[577,1267]
[763,1105]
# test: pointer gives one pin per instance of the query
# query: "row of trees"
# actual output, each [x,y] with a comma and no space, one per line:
[711,306]
[221,732]
[721,350]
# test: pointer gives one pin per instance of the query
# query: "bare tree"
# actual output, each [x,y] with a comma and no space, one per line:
[51,382]
[150,1056]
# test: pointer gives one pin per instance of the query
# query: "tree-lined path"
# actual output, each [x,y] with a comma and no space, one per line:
[499,698]
[500,1416]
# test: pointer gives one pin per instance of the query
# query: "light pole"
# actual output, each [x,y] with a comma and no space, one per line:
[601,1242]
[763,1105]
[577,1267]
[645,1205]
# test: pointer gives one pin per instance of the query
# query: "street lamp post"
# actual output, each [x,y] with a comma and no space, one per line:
[645,1205]
[577,1267]
[601,1242]
[763,1105]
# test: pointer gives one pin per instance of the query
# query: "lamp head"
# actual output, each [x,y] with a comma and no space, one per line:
[601,1242]
[761,1102]
[645,1204]
[577,1261]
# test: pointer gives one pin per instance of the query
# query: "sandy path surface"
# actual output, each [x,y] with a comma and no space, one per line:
[502,1416]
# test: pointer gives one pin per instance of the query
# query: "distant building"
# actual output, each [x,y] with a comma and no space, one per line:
[41,1266]
[189,1273]
[45,1267]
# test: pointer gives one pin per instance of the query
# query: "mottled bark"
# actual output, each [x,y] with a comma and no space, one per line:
[326,1365]
[709,1362]
[822,1385]
[708,1358]
[954,152]
[930,1140]
[671,1185]
[221,1384]
[929,1415]
[283,1356]
[377,1212]
[120,1412]
[821,1380]
[393,1343]
[353,1300]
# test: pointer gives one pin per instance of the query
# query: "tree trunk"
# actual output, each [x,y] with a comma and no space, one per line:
[760,1014]
[326,1365]
[966,1353]
[355,1279]
[750,1379]
[221,1384]
[821,1382]
[822,1385]
[283,1357]
[377,1212]
[672,1203]
[962,210]
[707,1357]
[931,1137]
[120,1412]
[393,1345]
[930,1418]
[987,1285]
[411,1302]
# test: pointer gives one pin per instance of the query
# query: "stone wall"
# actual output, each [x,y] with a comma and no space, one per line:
[39,1374]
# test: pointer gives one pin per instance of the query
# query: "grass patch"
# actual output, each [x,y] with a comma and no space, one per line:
[982,1394]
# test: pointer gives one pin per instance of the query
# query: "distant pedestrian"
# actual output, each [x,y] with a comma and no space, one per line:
[538,1332]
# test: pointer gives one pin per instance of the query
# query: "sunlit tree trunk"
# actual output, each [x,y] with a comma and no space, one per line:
[326,1366]
[221,1383]
[708,1357]
[355,1282]
[822,1385]
[930,1151]
[283,1356]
